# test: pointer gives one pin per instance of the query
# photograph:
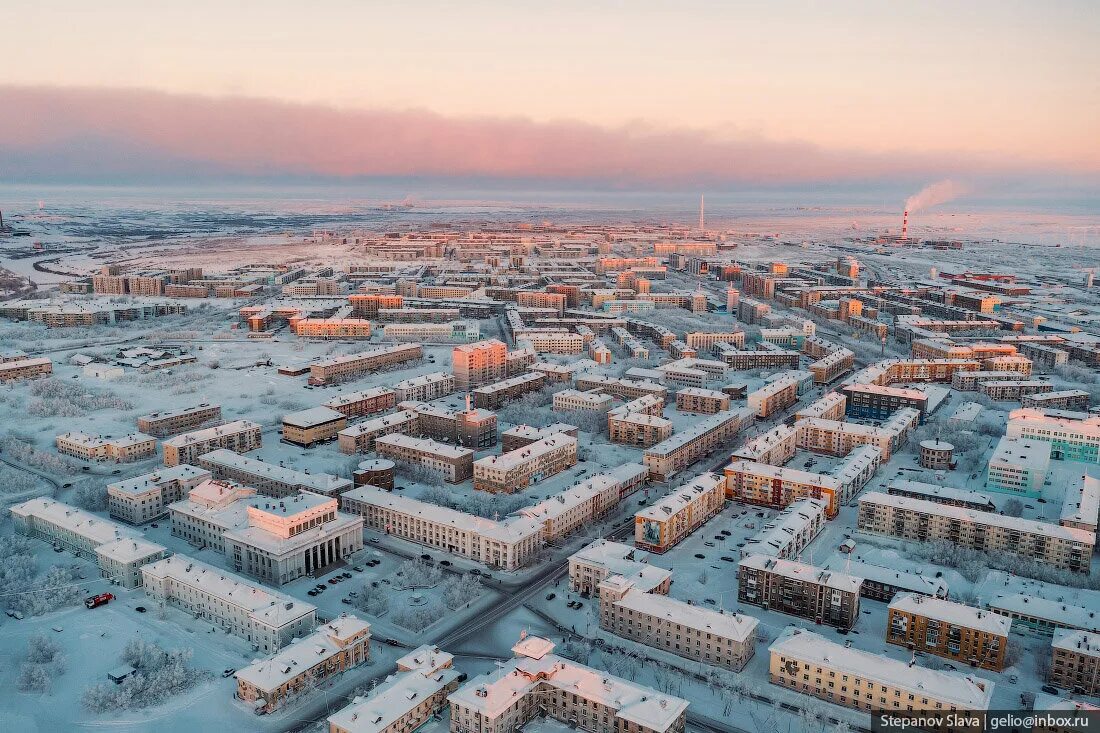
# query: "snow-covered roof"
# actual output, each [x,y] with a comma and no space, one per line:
[700,427]
[390,701]
[178,412]
[778,533]
[140,484]
[205,434]
[312,417]
[701,392]
[782,473]
[966,691]
[944,492]
[94,529]
[526,454]
[1082,502]
[401,417]
[267,606]
[1057,612]
[803,572]
[1044,701]
[420,381]
[1018,524]
[303,654]
[1021,452]
[1077,641]
[493,693]
[511,529]
[677,499]
[129,550]
[506,384]
[913,582]
[352,397]
[735,626]
[322,483]
[423,445]
[956,614]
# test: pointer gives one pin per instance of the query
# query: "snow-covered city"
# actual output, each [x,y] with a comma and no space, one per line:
[573,367]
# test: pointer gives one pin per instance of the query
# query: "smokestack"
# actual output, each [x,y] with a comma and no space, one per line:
[702,218]
[905,225]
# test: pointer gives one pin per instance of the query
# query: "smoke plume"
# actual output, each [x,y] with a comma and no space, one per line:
[939,192]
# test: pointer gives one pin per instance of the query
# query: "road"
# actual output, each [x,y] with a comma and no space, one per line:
[37,474]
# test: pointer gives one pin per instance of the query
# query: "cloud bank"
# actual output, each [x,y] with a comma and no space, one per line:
[49,134]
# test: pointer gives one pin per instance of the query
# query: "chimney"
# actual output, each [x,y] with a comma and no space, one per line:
[905,225]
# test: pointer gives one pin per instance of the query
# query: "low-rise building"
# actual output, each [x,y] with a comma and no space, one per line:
[341,368]
[144,498]
[947,629]
[359,404]
[667,521]
[537,682]
[518,469]
[1081,504]
[333,648]
[266,618]
[1064,548]
[453,463]
[883,583]
[360,437]
[508,544]
[807,662]
[1018,466]
[16,369]
[594,563]
[404,701]
[572,400]
[425,388]
[809,592]
[269,479]
[670,456]
[315,425]
[693,632]
[493,396]
[1075,661]
[788,533]
[123,449]
[170,422]
[239,436]
[702,401]
[1072,436]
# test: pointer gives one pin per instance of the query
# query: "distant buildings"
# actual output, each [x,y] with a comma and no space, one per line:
[170,422]
[518,469]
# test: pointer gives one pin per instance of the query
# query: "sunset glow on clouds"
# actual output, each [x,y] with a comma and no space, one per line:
[625,93]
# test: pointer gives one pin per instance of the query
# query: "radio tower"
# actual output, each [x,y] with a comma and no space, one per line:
[702,218]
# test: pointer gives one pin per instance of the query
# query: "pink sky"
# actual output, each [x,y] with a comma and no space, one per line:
[679,92]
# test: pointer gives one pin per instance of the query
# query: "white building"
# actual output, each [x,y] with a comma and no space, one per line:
[144,498]
[1018,466]
[537,682]
[591,565]
[269,479]
[786,535]
[425,388]
[267,618]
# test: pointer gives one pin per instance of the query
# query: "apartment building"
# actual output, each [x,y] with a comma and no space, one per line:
[797,589]
[518,469]
[579,506]
[360,437]
[702,401]
[239,436]
[404,701]
[471,427]
[1064,399]
[495,395]
[1081,504]
[315,425]
[883,583]
[268,619]
[773,397]
[268,479]
[538,683]
[572,400]
[368,304]
[970,381]
[285,539]
[453,463]
[666,522]
[684,448]
[340,368]
[1013,389]
[433,333]
[424,388]
[620,388]
[941,494]
[787,534]
[144,498]
[123,449]
[523,435]
[1018,466]
[809,663]
[1072,436]
[1064,548]
[508,544]
[693,632]
[332,649]
[837,438]
[637,429]
[701,340]
[594,563]
[118,551]
[775,447]
[876,402]
[1075,661]
[163,424]
[331,328]
[832,365]
[479,363]
[955,631]
[540,299]
[360,404]
[775,486]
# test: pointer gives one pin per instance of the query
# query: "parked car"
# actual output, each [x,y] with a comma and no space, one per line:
[551,596]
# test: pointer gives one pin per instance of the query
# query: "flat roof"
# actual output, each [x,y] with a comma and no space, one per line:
[803,572]
[424,445]
[197,436]
[324,483]
[677,499]
[140,484]
[733,625]
[313,417]
[956,614]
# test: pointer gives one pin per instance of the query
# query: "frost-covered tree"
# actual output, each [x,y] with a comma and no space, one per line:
[34,678]
[57,589]
[418,574]
[418,618]
[1013,508]
[458,590]
[373,601]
